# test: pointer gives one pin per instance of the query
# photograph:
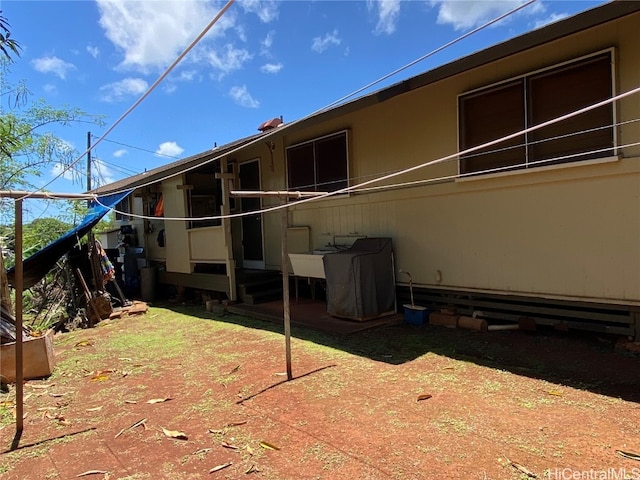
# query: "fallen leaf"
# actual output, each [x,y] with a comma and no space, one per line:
[249,450]
[158,400]
[174,434]
[56,395]
[236,424]
[630,455]
[557,393]
[281,374]
[252,469]
[6,404]
[220,467]
[137,424]
[94,409]
[125,359]
[228,445]
[84,343]
[130,401]
[92,472]
[424,396]
[234,370]
[268,446]
[100,377]
[522,469]
[215,431]
[41,386]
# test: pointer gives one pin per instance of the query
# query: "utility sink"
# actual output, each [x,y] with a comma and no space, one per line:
[309,264]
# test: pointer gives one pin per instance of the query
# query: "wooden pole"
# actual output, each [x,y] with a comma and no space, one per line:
[90,304]
[285,287]
[19,288]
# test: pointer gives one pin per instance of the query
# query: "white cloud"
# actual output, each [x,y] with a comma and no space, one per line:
[152,34]
[121,152]
[103,173]
[187,75]
[116,91]
[388,12]
[228,59]
[60,170]
[266,10]
[169,149]
[266,44]
[320,44]
[271,68]
[93,51]
[53,65]
[554,17]
[242,97]
[466,14]
[49,88]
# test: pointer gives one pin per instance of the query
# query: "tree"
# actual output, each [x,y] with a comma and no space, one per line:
[7,44]
[29,149]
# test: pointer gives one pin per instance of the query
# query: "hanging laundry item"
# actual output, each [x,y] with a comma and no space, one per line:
[159,211]
[108,270]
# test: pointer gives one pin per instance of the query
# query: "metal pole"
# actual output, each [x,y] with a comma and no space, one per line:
[88,163]
[285,288]
[19,288]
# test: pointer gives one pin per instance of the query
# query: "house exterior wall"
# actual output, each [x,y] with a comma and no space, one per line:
[176,235]
[571,230]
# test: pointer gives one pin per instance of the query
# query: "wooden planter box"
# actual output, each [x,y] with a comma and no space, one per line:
[37,355]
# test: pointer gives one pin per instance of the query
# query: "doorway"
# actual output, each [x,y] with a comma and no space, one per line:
[252,244]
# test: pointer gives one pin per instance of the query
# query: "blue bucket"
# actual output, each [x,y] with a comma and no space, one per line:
[415,314]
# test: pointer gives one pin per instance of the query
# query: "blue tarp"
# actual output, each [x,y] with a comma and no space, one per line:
[38,265]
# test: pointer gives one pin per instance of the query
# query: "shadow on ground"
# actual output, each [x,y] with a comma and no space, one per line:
[576,359]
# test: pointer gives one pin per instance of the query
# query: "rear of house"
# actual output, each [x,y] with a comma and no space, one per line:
[545,224]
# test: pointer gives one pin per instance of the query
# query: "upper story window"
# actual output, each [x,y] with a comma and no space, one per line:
[319,165]
[500,110]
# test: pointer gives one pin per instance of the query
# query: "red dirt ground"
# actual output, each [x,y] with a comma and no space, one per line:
[502,403]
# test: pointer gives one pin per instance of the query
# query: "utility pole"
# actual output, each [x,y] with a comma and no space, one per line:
[88,162]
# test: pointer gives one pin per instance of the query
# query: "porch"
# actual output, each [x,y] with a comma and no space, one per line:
[310,313]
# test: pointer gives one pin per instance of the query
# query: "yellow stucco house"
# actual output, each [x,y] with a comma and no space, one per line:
[545,224]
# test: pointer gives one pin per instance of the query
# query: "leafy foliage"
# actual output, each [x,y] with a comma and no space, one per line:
[7,44]
[30,149]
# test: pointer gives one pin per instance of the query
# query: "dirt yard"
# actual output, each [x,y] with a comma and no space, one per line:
[396,402]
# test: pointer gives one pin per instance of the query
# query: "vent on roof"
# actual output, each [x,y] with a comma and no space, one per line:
[269,124]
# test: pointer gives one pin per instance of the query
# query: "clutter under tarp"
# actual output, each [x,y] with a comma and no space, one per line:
[361,280]
[37,265]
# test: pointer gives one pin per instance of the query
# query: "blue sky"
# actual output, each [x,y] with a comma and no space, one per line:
[263,59]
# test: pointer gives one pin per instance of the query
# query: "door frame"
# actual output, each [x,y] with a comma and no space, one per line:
[254,264]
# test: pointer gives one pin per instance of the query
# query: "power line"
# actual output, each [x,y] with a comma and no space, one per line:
[145,94]
[289,125]
[142,149]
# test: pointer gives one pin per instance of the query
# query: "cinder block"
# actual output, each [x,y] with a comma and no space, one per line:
[527,324]
[471,323]
[449,321]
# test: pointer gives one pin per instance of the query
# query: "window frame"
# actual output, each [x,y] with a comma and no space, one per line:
[525,79]
[317,185]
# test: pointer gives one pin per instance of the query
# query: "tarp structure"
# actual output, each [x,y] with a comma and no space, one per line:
[361,280]
[38,265]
